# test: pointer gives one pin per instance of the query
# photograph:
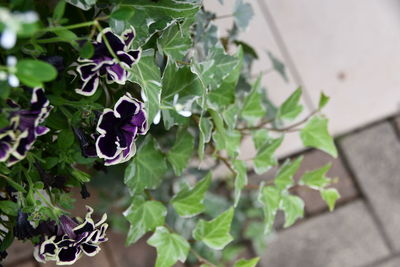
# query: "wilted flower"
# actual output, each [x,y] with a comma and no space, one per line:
[118,130]
[102,63]
[71,239]
[17,138]
[23,229]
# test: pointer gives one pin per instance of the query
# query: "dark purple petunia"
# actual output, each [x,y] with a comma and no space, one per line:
[102,63]
[71,239]
[118,129]
[24,128]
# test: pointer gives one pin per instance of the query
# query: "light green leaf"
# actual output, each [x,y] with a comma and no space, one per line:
[315,134]
[181,81]
[224,95]
[265,158]
[241,178]
[293,207]
[123,13]
[247,263]
[144,216]
[260,138]
[323,100]
[205,127]
[181,152]
[330,196]
[146,169]
[175,42]
[33,72]
[284,178]
[215,233]
[242,14]
[253,108]
[316,179]
[189,202]
[146,73]
[170,247]
[291,108]
[269,197]
[230,115]
[278,66]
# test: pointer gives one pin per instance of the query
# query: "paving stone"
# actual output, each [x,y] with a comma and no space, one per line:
[18,251]
[138,254]
[373,155]
[390,263]
[347,237]
[315,159]
[30,263]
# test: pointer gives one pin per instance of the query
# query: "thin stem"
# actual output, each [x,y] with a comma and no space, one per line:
[224,16]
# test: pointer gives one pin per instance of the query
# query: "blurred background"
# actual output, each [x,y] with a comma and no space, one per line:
[350,50]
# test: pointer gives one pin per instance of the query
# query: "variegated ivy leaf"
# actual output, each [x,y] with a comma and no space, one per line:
[242,14]
[284,177]
[253,108]
[215,233]
[291,108]
[189,202]
[315,134]
[82,4]
[181,152]
[265,157]
[205,127]
[293,207]
[269,197]
[144,216]
[330,196]
[170,247]
[241,178]
[175,41]
[316,179]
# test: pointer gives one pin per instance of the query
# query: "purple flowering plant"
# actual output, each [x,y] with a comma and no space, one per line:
[142,104]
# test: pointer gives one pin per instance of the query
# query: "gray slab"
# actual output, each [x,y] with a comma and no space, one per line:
[374,156]
[347,237]
[395,262]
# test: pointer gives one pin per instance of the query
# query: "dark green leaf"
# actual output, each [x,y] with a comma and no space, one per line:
[59,10]
[65,139]
[175,42]
[9,207]
[87,50]
[123,13]
[181,152]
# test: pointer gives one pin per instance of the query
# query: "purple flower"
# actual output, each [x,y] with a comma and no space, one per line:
[71,239]
[118,130]
[17,138]
[102,63]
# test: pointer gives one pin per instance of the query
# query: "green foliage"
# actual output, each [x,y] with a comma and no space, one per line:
[180,154]
[315,134]
[291,108]
[265,158]
[330,196]
[170,247]
[34,72]
[215,233]
[316,179]
[247,263]
[143,216]
[189,202]
[253,108]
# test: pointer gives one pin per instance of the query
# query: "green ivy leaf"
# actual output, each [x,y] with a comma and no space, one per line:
[278,66]
[265,158]
[253,108]
[330,196]
[205,127]
[284,178]
[175,42]
[269,197]
[247,263]
[144,216]
[241,178]
[316,179]
[9,207]
[181,81]
[293,207]
[224,95]
[291,108]
[189,202]
[230,115]
[34,72]
[58,12]
[215,233]
[146,169]
[260,138]
[323,100]
[242,14]
[146,73]
[123,13]
[315,134]
[181,152]
[170,247]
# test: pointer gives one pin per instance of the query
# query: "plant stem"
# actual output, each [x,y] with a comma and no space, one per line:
[224,16]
